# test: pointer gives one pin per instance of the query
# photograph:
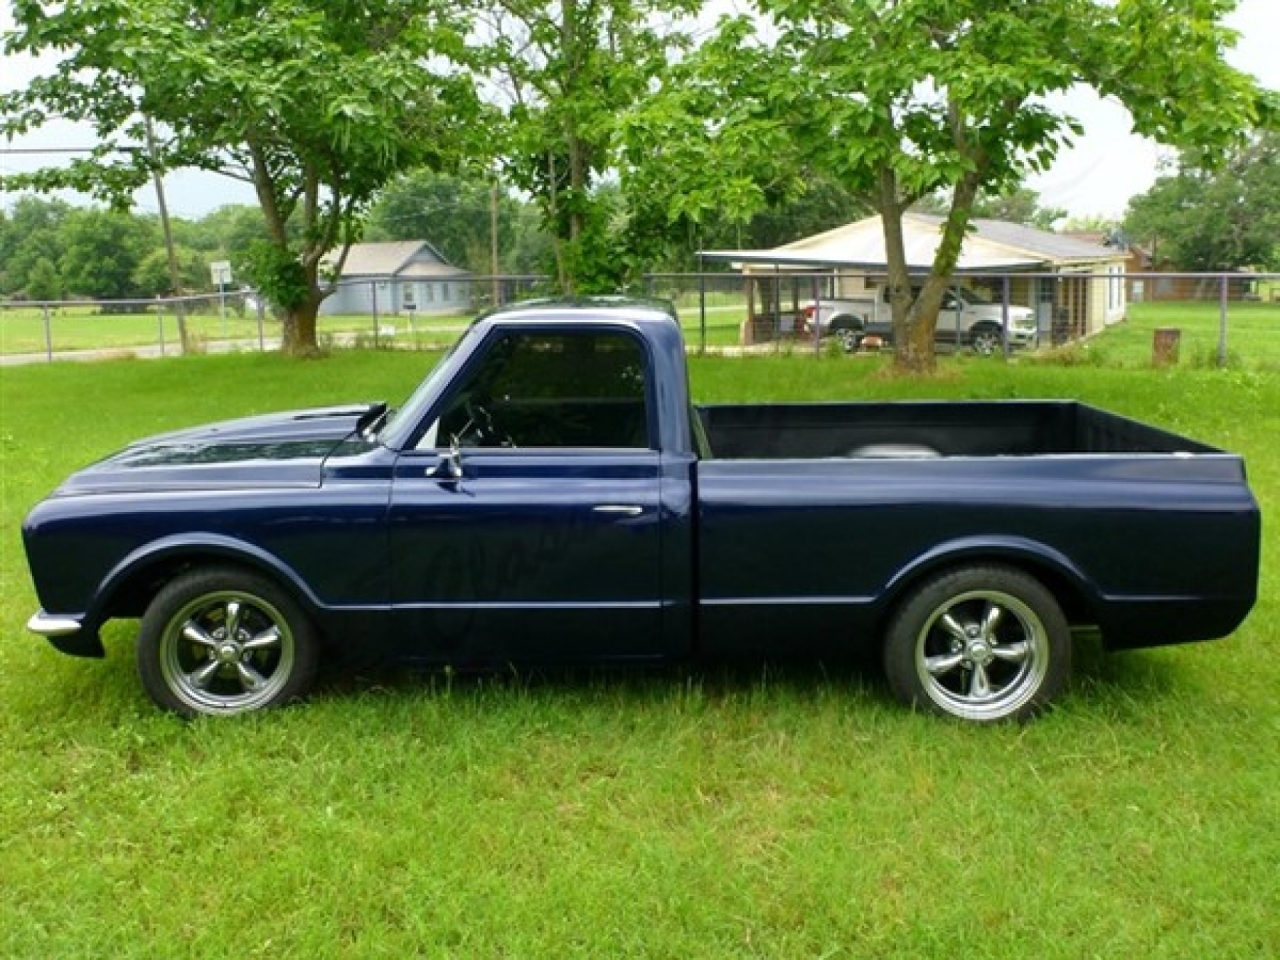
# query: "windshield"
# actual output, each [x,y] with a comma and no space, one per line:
[975,297]
[400,423]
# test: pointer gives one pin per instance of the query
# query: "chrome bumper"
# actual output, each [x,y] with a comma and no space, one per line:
[47,626]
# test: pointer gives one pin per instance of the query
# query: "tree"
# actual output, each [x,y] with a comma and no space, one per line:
[900,99]
[568,71]
[103,249]
[316,103]
[43,281]
[151,275]
[1202,218]
[454,213]
[31,233]
[231,230]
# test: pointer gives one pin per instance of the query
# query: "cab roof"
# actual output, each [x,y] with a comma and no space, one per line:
[585,308]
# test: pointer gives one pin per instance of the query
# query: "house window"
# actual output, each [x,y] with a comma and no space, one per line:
[1115,289]
[430,290]
[409,297]
[444,292]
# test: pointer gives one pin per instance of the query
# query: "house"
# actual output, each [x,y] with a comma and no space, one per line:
[399,277]
[1075,286]
[1155,277]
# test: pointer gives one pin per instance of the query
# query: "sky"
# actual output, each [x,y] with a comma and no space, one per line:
[1108,165]
[1094,178]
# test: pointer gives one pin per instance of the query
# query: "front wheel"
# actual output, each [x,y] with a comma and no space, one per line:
[222,641]
[987,341]
[981,643]
[850,339]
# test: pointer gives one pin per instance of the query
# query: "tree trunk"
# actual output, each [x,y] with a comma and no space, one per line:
[299,329]
[913,353]
[915,313]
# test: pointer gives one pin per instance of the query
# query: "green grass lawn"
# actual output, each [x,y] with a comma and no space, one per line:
[680,814]
[1252,335]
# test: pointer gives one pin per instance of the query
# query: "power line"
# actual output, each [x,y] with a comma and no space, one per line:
[38,150]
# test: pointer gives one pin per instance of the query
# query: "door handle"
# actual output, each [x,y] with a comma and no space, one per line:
[621,509]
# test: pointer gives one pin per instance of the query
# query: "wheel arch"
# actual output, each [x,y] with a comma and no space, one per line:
[1075,593]
[846,321]
[131,585]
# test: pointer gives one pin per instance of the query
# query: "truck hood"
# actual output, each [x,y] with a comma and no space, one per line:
[277,450]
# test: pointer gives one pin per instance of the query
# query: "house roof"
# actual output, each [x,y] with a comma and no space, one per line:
[433,271]
[990,245]
[395,258]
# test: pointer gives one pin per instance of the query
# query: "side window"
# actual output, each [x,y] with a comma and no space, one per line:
[539,389]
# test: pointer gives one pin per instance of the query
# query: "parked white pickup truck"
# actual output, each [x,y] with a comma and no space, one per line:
[967,318]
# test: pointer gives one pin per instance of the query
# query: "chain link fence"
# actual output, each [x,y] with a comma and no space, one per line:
[1123,318]
[1114,316]
[240,320]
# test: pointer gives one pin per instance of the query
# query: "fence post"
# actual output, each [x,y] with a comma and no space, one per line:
[1004,315]
[1222,321]
[702,313]
[160,323]
[48,335]
[262,340]
[373,299]
[955,291]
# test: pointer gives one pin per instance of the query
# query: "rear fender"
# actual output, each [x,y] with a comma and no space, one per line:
[1075,591]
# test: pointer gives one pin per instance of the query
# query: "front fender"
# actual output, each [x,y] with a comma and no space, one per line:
[135,571]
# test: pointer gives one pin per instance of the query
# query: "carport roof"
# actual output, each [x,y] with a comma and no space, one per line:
[991,245]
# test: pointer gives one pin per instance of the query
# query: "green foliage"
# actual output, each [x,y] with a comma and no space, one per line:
[1217,217]
[317,105]
[28,235]
[276,272]
[151,276]
[569,70]
[454,213]
[103,250]
[43,281]
[900,100]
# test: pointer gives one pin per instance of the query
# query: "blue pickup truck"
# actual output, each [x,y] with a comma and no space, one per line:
[550,494]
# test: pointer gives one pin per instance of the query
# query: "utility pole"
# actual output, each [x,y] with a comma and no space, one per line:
[493,242]
[175,280]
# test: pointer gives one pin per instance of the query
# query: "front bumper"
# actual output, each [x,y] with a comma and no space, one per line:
[52,627]
[66,634]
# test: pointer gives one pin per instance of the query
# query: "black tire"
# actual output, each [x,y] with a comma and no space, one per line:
[219,641]
[979,643]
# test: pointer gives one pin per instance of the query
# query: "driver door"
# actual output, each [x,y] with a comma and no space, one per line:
[526,524]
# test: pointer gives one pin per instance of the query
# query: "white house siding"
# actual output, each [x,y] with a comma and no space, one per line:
[413,278]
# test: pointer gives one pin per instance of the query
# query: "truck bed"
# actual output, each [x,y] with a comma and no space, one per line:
[930,429]
[809,515]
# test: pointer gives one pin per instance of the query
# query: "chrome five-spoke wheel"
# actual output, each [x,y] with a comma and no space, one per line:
[979,643]
[224,641]
[987,342]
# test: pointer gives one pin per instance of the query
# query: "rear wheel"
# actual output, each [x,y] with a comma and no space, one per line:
[982,643]
[222,641]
